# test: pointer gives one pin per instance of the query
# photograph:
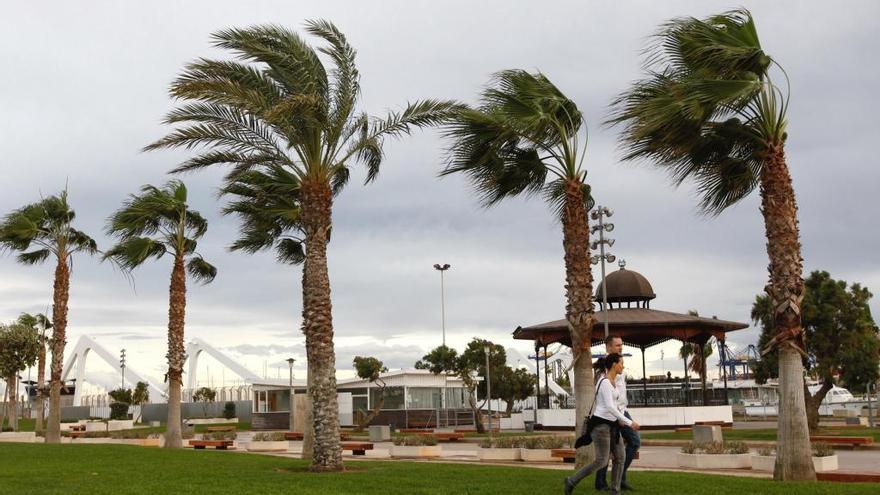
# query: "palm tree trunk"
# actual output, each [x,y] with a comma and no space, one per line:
[41,377]
[786,289]
[579,310]
[176,354]
[61,295]
[317,200]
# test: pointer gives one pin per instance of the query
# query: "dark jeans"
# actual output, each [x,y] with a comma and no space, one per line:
[633,442]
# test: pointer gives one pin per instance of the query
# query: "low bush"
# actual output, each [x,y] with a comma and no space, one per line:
[503,442]
[269,436]
[229,410]
[548,442]
[119,410]
[767,451]
[822,449]
[715,448]
[415,440]
[220,435]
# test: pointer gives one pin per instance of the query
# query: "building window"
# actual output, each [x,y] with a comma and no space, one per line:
[393,397]
[424,398]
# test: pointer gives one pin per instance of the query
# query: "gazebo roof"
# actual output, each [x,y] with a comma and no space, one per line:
[639,327]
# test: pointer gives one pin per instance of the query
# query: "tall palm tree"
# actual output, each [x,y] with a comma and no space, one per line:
[149,225]
[278,105]
[709,111]
[524,137]
[37,232]
[40,323]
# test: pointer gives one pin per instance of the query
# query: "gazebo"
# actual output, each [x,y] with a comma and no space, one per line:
[629,316]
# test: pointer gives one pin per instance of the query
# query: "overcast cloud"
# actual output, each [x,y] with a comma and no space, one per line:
[84,88]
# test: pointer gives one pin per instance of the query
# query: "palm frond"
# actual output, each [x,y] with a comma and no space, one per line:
[33,257]
[133,252]
[200,270]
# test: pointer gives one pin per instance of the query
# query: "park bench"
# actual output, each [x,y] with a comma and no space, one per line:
[212,429]
[839,440]
[447,436]
[295,435]
[472,430]
[217,444]
[415,430]
[77,434]
[568,455]
[357,448]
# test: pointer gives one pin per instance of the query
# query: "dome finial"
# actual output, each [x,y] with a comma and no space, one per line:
[622,264]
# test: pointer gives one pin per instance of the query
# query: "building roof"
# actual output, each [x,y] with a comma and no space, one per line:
[625,286]
[639,327]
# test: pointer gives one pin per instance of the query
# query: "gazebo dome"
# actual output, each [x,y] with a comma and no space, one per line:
[625,286]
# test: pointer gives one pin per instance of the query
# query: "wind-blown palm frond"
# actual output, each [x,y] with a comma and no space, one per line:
[45,229]
[200,270]
[155,222]
[524,132]
[707,111]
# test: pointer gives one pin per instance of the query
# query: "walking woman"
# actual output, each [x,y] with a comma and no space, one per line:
[604,426]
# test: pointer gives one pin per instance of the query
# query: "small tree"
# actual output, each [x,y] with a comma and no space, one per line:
[513,385]
[121,401]
[41,324]
[369,368]
[19,348]
[140,396]
[205,395]
[229,409]
[842,338]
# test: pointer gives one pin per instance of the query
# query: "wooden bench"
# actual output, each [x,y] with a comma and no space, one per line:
[839,440]
[568,455]
[217,444]
[357,448]
[212,429]
[471,430]
[447,437]
[77,434]
[415,430]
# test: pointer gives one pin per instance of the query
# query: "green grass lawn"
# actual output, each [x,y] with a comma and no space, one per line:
[115,469]
[764,434]
[24,424]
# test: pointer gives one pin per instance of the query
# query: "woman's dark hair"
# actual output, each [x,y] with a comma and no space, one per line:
[612,359]
[605,363]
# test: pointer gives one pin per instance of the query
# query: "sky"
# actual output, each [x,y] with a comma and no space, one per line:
[84,89]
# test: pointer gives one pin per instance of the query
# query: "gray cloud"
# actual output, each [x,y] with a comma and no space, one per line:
[79,108]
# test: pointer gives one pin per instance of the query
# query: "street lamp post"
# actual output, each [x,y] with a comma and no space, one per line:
[442,268]
[290,363]
[487,348]
[122,366]
[599,214]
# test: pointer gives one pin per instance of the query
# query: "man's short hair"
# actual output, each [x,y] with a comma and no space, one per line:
[610,339]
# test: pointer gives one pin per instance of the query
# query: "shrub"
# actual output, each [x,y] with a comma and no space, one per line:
[503,442]
[220,435]
[767,451]
[269,436]
[822,449]
[415,440]
[119,410]
[548,442]
[690,448]
[229,410]
[736,448]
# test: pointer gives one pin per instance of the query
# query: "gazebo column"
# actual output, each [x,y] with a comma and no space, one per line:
[687,380]
[644,378]
[537,378]
[546,372]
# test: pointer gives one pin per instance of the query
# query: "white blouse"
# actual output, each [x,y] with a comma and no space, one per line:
[607,403]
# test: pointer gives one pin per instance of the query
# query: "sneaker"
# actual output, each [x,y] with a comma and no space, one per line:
[569,487]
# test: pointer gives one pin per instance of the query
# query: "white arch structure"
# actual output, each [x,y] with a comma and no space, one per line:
[197,346]
[85,345]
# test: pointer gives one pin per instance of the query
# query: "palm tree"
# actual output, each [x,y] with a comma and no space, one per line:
[38,231]
[40,323]
[278,105]
[709,111]
[149,225]
[697,354]
[524,138]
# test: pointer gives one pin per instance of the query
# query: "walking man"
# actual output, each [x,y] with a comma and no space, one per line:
[614,345]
